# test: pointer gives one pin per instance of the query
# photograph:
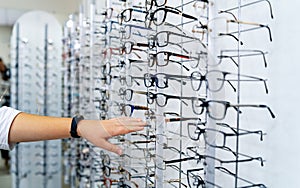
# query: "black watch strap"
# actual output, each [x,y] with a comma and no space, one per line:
[74,124]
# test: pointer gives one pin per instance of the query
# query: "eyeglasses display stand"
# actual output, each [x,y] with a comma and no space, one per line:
[36,88]
[186,68]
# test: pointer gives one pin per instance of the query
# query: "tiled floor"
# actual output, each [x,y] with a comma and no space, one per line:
[5,178]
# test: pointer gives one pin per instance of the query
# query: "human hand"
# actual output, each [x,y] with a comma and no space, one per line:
[99,131]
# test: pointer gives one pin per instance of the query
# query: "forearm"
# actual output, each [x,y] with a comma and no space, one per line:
[28,127]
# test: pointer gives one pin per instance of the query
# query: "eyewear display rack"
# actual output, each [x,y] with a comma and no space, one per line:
[36,88]
[185,67]
[71,59]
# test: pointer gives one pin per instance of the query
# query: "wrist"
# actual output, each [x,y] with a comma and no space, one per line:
[80,126]
[74,130]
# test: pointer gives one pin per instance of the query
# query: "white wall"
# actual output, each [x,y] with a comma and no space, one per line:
[283,139]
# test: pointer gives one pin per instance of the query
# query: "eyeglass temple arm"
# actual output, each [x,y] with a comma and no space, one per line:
[137,107]
[136,82]
[234,89]
[177,168]
[137,26]
[254,158]
[245,131]
[231,35]
[177,80]
[179,160]
[171,113]
[255,106]
[221,147]
[260,185]
[173,149]
[242,160]
[260,26]
[137,20]
[248,4]
[180,46]
[230,150]
[176,11]
[252,23]
[180,63]
[251,77]
[139,68]
[180,119]
[171,25]
[221,56]
[225,170]
[176,97]
[227,12]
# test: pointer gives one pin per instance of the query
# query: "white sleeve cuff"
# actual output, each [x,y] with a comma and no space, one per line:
[7,116]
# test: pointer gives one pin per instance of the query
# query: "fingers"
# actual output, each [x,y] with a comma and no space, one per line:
[127,125]
[98,132]
[131,122]
[110,147]
[129,129]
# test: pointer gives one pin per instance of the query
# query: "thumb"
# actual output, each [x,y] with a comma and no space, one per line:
[111,147]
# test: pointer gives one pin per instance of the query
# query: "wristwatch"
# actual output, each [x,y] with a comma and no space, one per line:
[75,120]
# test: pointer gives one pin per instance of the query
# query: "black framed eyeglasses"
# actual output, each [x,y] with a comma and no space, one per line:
[163,58]
[195,130]
[162,99]
[128,46]
[128,109]
[218,78]
[158,17]
[164,38]
[193,153]
[217,109]
[161,80]
[150,3]
[128,30]
[126,15]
